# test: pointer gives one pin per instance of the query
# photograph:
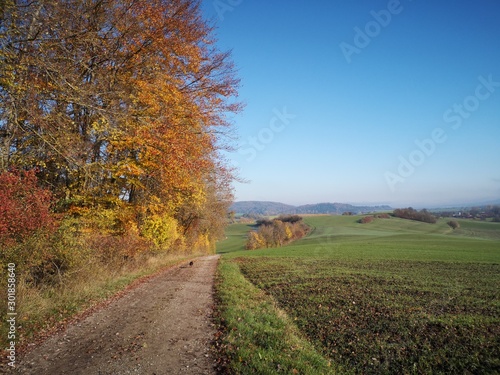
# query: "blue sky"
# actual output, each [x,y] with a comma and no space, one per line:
[393,102]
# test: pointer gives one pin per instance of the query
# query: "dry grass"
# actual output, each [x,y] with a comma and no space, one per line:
[90,277]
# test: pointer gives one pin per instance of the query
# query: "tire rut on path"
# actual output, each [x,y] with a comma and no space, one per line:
[163,326]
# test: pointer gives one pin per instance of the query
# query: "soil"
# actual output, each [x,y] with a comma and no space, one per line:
[162,326]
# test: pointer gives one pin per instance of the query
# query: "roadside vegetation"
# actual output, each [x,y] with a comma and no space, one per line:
[111,133]
[256,337]
[395,296]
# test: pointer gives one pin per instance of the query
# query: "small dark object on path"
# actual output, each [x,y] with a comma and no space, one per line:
[171,312]
[191,263]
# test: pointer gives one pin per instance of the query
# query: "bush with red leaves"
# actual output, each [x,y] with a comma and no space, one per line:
[366,220]
[24,206]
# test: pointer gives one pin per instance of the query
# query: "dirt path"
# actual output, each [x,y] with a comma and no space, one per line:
[161,327]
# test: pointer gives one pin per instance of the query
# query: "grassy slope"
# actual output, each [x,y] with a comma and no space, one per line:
[235,238]
[342,237]
[395,248]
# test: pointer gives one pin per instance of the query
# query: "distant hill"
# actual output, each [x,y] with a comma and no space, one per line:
[276,208]
[262,208]
[338,208]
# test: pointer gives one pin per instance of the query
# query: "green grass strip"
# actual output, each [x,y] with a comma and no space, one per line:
[258,337]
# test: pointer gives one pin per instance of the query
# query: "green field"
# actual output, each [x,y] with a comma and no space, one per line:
[392,296]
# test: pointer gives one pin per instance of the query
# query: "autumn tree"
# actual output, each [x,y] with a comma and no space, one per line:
[277,232]
[56,93]
[254,241]
[412,214]
[118,103]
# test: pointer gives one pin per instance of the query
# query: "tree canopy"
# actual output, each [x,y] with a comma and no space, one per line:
[118,103]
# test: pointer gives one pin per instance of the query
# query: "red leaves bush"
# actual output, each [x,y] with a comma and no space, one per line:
[24,206]
[412,214]
[366,220]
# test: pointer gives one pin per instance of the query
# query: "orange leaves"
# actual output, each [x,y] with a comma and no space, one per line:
[170,135]
[117,102]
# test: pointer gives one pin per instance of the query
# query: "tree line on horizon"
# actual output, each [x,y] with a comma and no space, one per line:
[113,116]
[412,214]
[482,212]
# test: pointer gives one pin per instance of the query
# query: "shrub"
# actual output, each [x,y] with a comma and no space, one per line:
[46,255]
[453,224]
[276,232]
[24,207]
[266,232]
[111,249]
[26,225]
[412,214]
[255,241]
[289,218]
[161,230]
[261,222]
[366,220]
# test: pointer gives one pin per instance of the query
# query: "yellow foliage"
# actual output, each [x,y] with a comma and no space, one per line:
[255,241]
[114,221]
[162,230]
[203,243]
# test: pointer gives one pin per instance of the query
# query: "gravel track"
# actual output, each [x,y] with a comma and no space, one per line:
[162,326]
